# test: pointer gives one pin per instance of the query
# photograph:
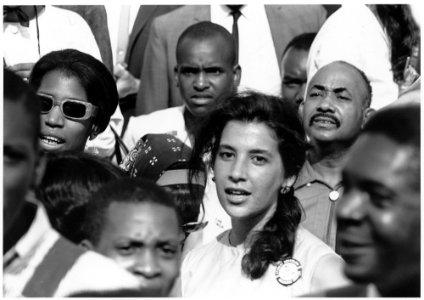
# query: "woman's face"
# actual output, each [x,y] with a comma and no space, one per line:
[58,133]
[249,171]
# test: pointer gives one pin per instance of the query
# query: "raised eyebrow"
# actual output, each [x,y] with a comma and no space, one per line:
[318,87]
[341,90]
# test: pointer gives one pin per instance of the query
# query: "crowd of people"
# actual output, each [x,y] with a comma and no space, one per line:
[211,150]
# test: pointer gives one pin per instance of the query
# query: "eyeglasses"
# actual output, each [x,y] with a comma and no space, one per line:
[193,226]
[70,108]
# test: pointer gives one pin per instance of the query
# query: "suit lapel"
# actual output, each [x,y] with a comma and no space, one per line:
[143,16]
[203,14]
[273,14]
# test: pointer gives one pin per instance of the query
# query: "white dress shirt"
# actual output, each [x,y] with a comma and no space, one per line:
[257,57]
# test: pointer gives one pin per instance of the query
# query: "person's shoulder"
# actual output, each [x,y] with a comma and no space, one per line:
[308,242]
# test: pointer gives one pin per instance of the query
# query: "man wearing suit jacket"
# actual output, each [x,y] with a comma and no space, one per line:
[137,45]
[273,25]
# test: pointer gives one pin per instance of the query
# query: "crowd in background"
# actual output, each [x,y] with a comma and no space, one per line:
[211,150]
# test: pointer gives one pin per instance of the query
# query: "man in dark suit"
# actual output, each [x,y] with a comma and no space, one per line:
[379,214]
[157,89]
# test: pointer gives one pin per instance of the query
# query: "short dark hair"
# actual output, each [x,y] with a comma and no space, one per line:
[301,42]
[124,190]
[69,181]
[93,75]
[207,30]
[18,91]
[401,124]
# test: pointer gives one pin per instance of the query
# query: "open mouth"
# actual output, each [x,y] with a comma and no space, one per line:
[325,121]
[51,140]
[236,192]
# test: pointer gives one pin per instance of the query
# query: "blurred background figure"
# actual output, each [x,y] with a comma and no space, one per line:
[293,68]
[78,96]
[37,261]
[69,181]
[379,215]
[381,40]
[136,223]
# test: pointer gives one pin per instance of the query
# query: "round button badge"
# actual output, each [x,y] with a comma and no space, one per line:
[334,195]
[288,271]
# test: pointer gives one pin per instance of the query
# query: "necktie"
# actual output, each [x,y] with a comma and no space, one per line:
[15,14]
[235,12]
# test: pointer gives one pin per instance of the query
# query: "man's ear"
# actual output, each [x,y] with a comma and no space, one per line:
[237,76]
[177,82]
[95,130]
[86,244]
[367,115]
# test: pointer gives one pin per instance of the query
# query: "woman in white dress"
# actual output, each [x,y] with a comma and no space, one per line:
[256,145]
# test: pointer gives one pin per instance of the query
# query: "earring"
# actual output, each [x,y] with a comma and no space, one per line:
[92,136]
[284,190]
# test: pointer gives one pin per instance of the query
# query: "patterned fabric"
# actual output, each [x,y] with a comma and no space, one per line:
[154,154]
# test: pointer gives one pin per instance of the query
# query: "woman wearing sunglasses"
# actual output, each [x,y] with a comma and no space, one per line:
[256,146]
[78,96]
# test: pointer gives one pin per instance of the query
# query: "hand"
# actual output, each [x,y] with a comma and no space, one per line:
[126,83]
[22,69]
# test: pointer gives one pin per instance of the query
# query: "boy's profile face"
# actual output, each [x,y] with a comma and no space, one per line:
[144,238]
[204,73]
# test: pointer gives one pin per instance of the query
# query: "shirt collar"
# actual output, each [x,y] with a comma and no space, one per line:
[307,174]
